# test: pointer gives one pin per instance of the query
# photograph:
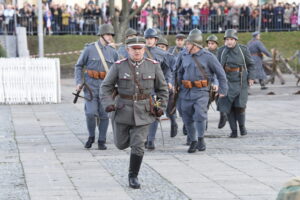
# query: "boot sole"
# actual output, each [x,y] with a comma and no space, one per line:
[135,187]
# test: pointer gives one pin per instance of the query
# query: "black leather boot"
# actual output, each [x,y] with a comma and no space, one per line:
[243,130]
[233,134]
[223,120]
[174,128]
[184,131]
[188,141]
[101,145]
[89,143]
[134,168]
[201,146]
[193,147]
[150,145]
[233,124]
[241,118]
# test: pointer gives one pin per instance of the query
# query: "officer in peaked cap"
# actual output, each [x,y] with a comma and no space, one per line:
[136,77]
[129,33]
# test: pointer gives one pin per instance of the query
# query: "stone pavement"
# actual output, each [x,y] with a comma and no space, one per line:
[42,155]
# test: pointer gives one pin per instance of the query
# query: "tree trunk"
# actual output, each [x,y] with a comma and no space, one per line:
[120,26]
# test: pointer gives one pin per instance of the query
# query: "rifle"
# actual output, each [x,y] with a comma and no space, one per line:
[77,94]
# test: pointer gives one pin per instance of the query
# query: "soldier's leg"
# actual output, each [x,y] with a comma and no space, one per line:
[90,108]
[138,136]
[200,118]
[232,123]
[178,106]
[151,135]
[240,115]
[188,111]
[121,135]
[103,126]
[174,126]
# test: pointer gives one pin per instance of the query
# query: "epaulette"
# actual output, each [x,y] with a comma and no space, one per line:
[120,61]
[153,61]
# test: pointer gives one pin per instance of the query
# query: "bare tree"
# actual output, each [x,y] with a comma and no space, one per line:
[121,20]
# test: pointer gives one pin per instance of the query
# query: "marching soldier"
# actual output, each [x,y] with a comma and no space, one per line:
[136,77]
[176,50]
[240,72]
[94,63]
[129,33]
[179,45]
[212,45]
[257,49]
[196,68]
[164,58]
[163,44]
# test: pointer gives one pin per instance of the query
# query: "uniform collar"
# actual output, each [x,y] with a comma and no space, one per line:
[137,64]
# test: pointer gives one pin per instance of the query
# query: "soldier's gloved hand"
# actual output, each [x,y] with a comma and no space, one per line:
[158,112]
[110,108]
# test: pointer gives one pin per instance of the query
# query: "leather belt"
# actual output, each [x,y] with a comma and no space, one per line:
[136,97]
[231,69]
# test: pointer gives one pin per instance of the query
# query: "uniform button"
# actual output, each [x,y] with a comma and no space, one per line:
[136,87]
[137,73]
[134,101]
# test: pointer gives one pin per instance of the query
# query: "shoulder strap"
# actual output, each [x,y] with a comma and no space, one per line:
[132,69]
[149,53]
[200,67]
[243,57]
[175,48]
[222,55]
[101,57]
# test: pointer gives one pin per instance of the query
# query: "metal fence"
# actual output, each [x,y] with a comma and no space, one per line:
[167,25]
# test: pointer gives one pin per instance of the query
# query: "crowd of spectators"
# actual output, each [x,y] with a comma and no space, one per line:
[171,18]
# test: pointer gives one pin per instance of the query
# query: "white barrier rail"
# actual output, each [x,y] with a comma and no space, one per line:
[29,81]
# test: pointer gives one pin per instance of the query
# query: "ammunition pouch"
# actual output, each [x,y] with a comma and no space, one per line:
[198,84]
[96,74]
[187,84]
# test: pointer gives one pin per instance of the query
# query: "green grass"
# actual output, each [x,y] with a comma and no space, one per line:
[286,42]
[2,52]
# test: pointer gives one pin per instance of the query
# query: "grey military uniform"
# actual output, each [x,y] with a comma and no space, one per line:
[237,81]
[194,100]
[175,50]
[90,60]
[239,67]
[257,48]
[132,117]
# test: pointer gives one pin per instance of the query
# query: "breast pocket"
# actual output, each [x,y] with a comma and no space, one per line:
[94,63]
[148,80]
[125,80]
